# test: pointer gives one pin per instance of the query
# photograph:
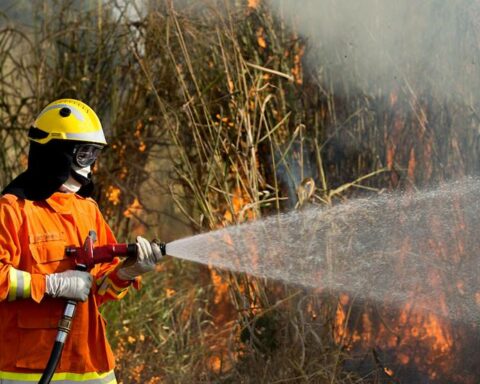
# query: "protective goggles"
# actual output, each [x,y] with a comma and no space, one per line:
[85,155]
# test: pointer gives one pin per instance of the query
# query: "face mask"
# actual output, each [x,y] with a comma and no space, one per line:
[73,184]
[70,186]
[81,175]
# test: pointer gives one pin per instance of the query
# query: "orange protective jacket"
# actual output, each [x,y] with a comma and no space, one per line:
[33,237]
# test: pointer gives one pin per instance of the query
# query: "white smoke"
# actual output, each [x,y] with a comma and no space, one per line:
[368,44]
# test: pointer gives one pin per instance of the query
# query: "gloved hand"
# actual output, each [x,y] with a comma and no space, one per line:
[73,285]
[148,255]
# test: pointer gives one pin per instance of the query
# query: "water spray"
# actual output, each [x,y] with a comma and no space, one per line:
[388,249]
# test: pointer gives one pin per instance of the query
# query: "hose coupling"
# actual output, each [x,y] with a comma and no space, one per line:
[162,246]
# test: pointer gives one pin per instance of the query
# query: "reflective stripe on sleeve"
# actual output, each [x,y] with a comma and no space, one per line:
[106,285]
[59,378]
[19,285]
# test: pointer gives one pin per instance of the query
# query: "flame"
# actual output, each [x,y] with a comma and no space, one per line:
[123,173]
[388,371]
[426,331]
[312,311]
[138,129]
[221,358]
[297,70]
[133,212]
[390,154]
[137,372]
[231,85]
[113,194]
[411,328]
[221,288]
[223,312]
[411,166]
[239,210]
[262,43]
[134,209]
[154,380]
[215,363]
[401,329]
[253,4]
[340,331]
[169,292]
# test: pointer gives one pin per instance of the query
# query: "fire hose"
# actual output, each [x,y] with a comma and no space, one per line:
[85,258]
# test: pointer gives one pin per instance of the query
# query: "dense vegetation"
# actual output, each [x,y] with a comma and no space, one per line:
[215,116]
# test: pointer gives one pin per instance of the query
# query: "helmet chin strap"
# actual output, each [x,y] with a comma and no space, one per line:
[74,182]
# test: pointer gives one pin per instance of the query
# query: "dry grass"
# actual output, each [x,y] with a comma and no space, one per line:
[218,89]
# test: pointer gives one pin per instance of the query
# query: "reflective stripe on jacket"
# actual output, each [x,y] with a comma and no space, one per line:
[59,378]
[33,237]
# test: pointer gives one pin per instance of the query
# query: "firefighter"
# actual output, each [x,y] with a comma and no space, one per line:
[42,211]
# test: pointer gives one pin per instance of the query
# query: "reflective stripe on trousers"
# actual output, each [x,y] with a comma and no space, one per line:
[59,378]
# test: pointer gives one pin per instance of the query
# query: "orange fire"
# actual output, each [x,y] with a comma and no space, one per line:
[134,209]
[262,43]
[427,332]
[134,212]
[223,311]
[113,194]
[254,4]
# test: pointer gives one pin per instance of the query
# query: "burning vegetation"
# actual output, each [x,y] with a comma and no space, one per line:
[216,116]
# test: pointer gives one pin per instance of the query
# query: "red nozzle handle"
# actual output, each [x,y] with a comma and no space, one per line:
[101,254]
[106,253]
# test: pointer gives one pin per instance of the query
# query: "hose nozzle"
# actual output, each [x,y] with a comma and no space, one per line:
[162,246]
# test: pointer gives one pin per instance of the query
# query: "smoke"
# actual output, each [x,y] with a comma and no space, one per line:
[429,46]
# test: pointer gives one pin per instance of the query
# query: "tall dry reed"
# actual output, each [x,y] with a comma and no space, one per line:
[214,119]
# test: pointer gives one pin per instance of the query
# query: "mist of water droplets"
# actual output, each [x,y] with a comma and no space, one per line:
[391,248]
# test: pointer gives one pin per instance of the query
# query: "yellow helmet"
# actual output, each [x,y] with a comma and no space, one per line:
[67,119]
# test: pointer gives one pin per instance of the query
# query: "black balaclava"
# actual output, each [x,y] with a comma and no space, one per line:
[49,166]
